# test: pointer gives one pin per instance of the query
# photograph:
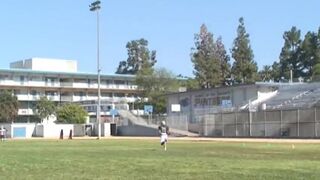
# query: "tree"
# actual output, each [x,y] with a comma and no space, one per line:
[316,67]
[156,85]
[209,59]
[9,106]
[309,53]
[244,68]
[189,83]
[266,73]
[316,72]
[289,56]
[45,108]
[223,58]
[71,113]
[139,58]
[275,72]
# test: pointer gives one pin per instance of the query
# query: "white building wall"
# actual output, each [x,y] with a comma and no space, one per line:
[43,64]
[53,130]
[46,64]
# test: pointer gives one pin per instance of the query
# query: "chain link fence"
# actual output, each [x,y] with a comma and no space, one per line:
[304,123]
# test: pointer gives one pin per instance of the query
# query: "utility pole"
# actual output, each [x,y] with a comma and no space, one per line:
[95,6]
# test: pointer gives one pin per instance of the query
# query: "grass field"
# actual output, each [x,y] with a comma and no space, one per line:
[144,159]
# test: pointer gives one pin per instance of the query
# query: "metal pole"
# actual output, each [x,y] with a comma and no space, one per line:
[315,122]
[265,123]
[236,121]
[281,123]
[99,91]
[222,124]
[250,121]
[298,123]
[95,6]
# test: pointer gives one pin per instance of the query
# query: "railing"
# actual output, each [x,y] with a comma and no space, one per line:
[66,98]
[66,84]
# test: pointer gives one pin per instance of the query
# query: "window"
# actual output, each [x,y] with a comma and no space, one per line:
[50,93]
[16,91]
[22,80]
[33,92]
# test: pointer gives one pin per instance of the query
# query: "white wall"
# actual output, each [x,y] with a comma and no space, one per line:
[106,129]
[44,64]
[53,130]
[30,128]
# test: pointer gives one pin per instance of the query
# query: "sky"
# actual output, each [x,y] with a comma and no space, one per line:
[66,29]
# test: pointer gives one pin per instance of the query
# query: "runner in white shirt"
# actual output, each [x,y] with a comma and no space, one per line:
[164,131]
[2,132]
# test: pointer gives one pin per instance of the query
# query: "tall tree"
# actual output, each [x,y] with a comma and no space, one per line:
[244,67]
[223,58]
[45,108]
[316,55]
[309,55]
[289,56]
[275,72]
[316,72]
[139,58]
[206,62]
[9,106]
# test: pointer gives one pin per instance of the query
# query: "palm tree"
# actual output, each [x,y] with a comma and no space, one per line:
[266,73]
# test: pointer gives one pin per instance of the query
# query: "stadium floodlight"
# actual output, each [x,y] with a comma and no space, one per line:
[95,6]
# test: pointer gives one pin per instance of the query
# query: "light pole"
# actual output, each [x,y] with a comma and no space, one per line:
[95,6]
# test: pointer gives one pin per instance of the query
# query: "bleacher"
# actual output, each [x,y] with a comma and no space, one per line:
[295,96]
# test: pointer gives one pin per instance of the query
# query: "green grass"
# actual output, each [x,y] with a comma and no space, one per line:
[144,159]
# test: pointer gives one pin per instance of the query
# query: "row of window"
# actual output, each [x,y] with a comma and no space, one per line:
[80,93]
[51,80]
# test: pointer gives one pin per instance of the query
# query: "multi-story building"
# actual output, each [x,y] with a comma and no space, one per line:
[60,82]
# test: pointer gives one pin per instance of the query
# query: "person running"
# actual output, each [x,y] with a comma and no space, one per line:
[2,132]
[164,131]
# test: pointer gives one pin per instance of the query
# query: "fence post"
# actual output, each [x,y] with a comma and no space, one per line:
[280,123]
[298,123]
[236,119]
[206,125]
[315,122]
[265,122]
[222,124]
[250,121]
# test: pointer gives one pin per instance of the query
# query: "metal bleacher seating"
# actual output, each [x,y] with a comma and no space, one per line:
[295,96]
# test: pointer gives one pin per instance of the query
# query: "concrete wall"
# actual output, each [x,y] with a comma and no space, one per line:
[208,100]
[105,129]
[78,130]
[53,130]
[136,130]
[30,129]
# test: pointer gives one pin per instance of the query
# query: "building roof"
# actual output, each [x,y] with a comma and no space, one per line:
[67,74]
